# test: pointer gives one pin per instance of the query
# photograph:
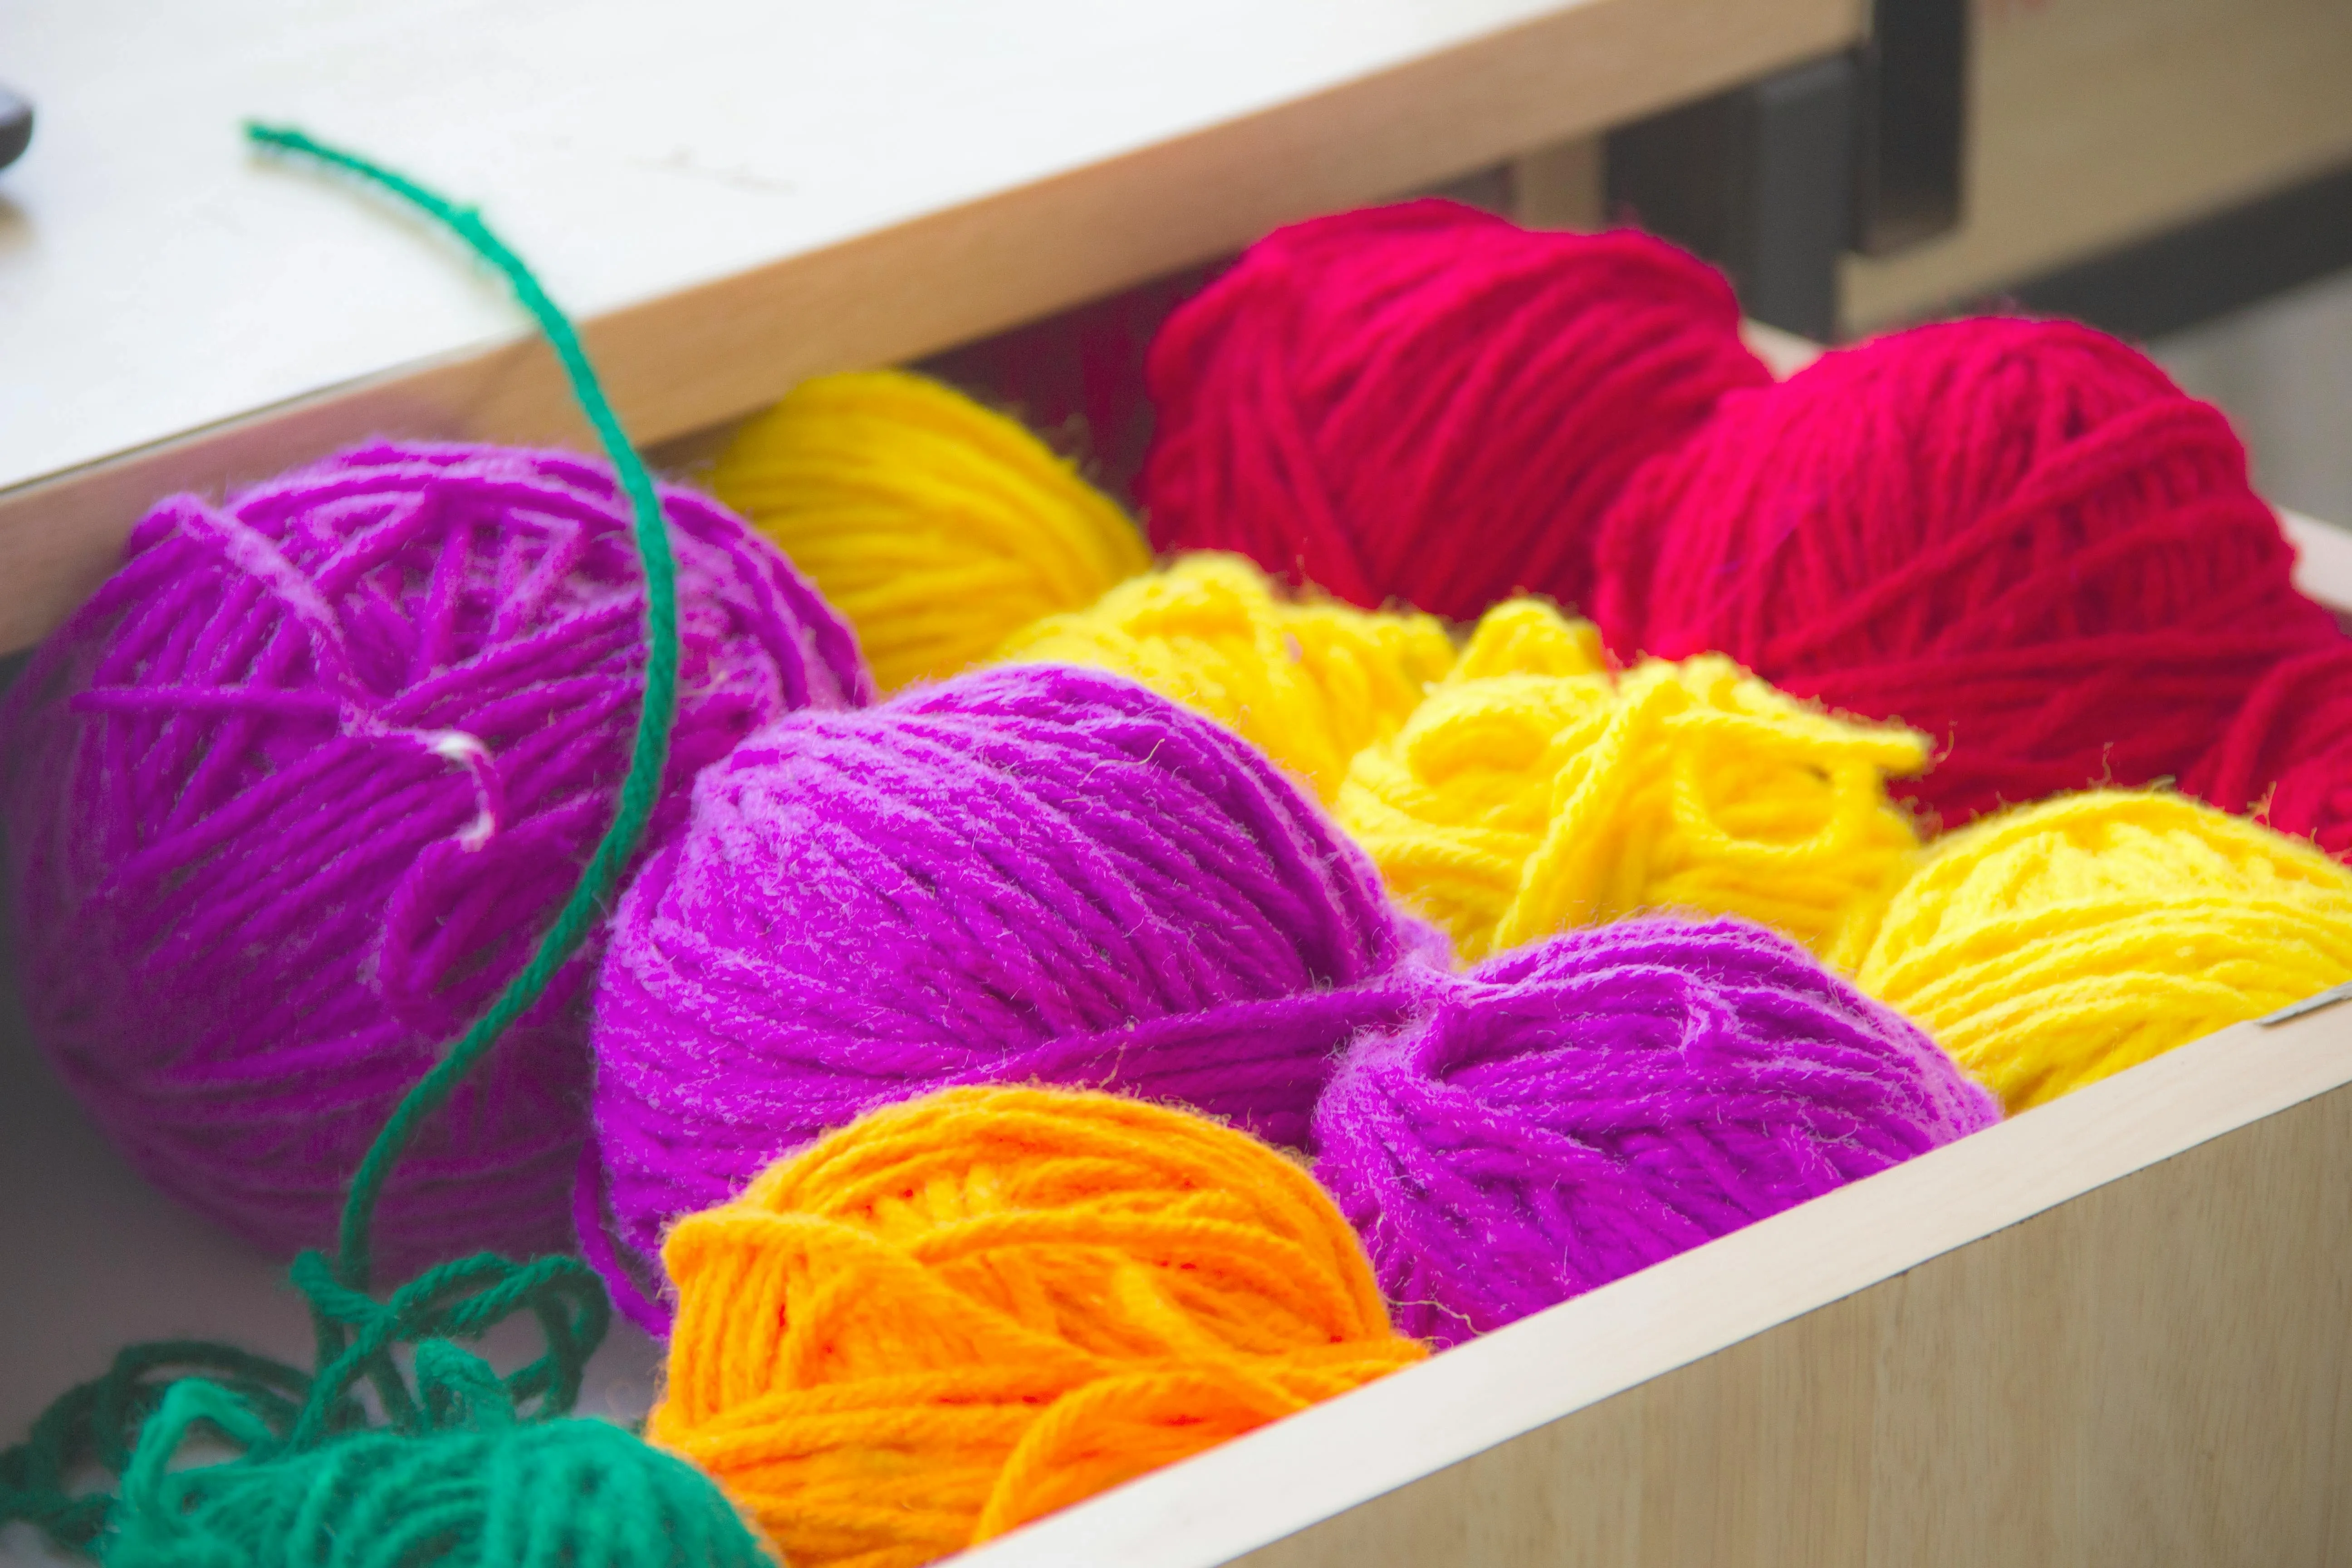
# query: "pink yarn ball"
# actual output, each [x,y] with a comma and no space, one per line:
[294,794]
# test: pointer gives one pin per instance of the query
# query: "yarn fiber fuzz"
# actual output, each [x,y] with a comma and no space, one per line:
[288,798]
[1037,873]
[2285,759]
[962,1313]
[556,1494]
[2018,536]
[1586,1107]
[938,526]
[1428,403]
[1512,806]
[1309,683]
[2052,946]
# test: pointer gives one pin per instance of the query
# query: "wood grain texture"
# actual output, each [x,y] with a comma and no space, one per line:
[686,341]
[2094,123]
[2109,1331]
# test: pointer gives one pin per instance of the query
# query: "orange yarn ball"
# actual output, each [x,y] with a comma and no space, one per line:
[966,1312]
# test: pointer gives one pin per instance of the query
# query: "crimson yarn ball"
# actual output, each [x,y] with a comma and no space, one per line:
[2286,757]
[1598,1101]
[2018,536]
[294,794]
[1425,402]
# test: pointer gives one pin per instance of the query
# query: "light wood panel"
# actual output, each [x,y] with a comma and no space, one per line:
[2110,1331]
[2097,122]
[974,174]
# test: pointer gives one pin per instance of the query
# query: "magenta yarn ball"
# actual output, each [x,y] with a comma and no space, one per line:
[296,792]
[1029,874]
[1592,1104]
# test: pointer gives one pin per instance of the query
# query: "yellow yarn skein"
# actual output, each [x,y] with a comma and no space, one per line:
[1308,682]
[2050,946]
[934,524]
[1513,805]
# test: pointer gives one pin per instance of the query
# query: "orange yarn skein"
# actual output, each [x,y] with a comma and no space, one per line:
[966,1312]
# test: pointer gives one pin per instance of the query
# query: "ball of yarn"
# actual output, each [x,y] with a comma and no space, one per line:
[2017,536]
[936,526]
[2286,758]
[562,1494]
[289,798]
[1426,403]
[1030,874]
[1510,807]
[960,1314]
[1588,1106]
[2050,946]
[1307,682]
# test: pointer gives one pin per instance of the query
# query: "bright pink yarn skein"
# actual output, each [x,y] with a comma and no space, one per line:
[2018,536]
[1428,403]
[1598,1101]
[289,798]
[1029,874]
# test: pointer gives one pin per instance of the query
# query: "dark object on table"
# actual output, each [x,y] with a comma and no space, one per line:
[16,127]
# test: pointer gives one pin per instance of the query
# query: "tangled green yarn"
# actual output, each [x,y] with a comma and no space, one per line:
[465,1466]
[487,1491]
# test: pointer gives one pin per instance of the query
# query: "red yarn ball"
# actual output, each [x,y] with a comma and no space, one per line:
[1426,403]
[2286,758]
[2018,536]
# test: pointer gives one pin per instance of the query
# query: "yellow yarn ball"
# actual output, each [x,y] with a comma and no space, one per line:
[936,526]
[2050,946]
[1307,682]
[1529,637]
[1514,806]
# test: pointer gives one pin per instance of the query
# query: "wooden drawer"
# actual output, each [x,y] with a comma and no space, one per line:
[2095,124]
[182,316]
[2112,1329]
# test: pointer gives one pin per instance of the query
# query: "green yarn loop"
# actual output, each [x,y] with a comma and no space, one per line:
[469,1467]
[485,1491]
[647,757]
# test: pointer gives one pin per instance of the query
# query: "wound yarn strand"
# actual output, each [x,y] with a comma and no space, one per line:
[648,753]
[466,1475]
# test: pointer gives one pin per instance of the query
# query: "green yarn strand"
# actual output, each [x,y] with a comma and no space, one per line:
[98,1423]
[647,757]
[471,1466]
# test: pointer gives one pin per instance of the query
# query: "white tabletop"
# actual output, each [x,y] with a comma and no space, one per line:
[733,194]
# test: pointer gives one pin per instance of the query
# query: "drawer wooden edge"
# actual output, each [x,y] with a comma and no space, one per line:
[2052,1332]
[710,352]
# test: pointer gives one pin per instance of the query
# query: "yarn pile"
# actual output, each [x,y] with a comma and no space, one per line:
[995,1302]
[2019,537]
[1514,805]
[1162,996]
[1310,684]
[2049,947]
[1425,402]
[937,527]
[287,799]
[1034,874]
[1590,1105]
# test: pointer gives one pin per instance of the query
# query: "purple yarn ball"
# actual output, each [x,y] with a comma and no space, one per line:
[1029,874]
[1597,1102]
[297,790]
